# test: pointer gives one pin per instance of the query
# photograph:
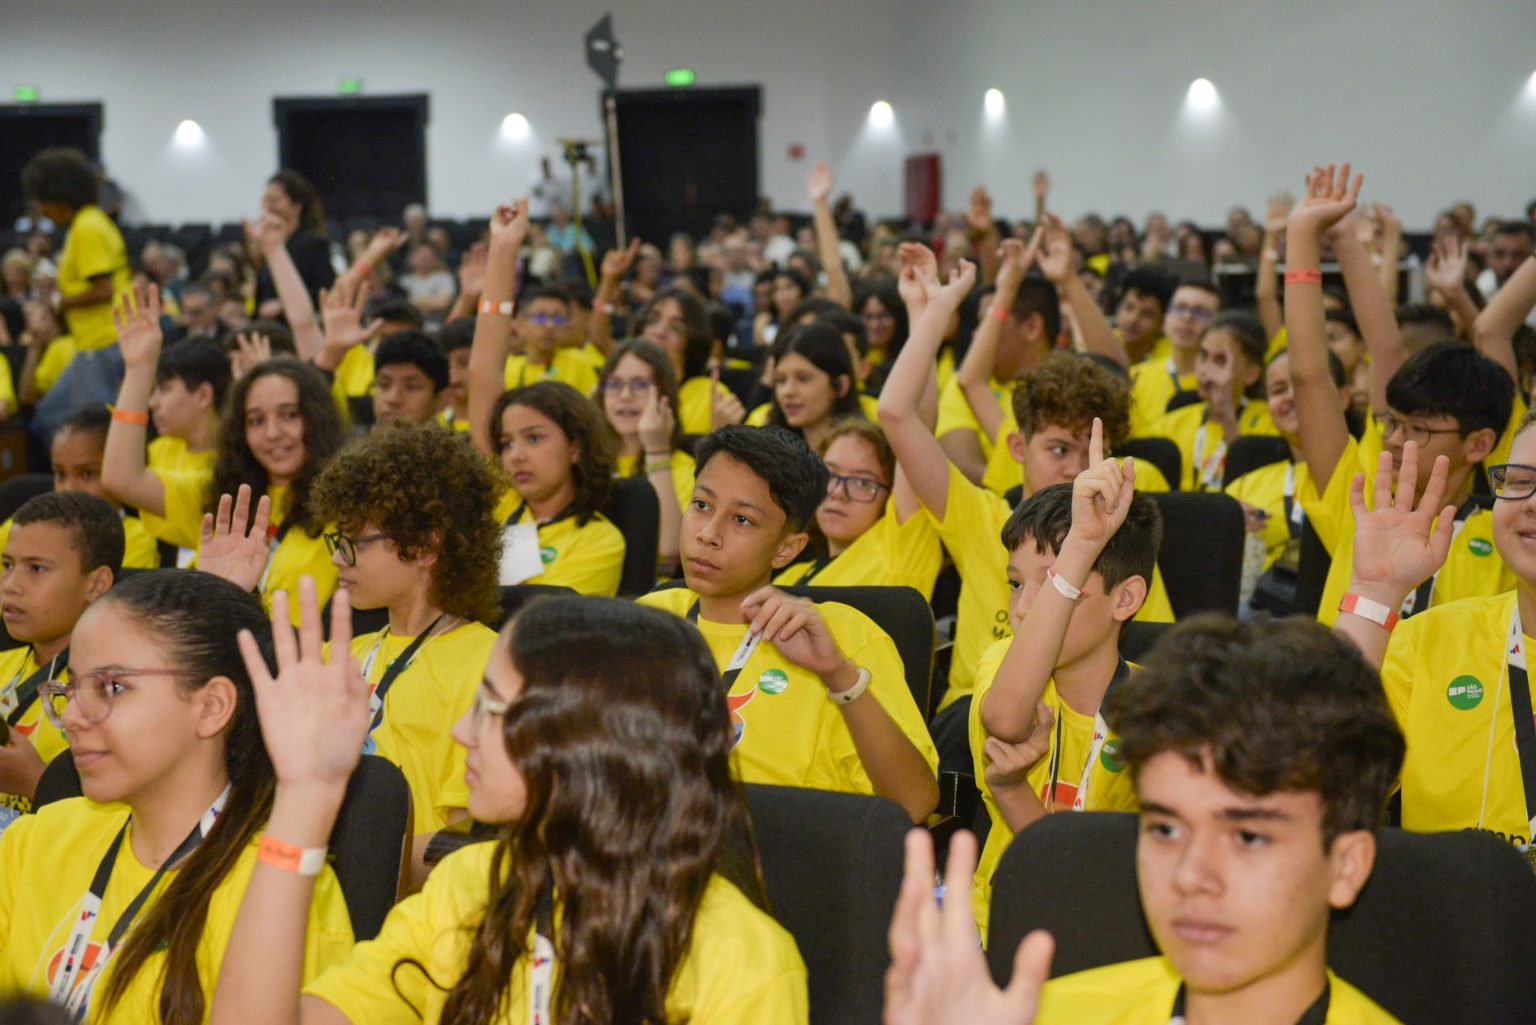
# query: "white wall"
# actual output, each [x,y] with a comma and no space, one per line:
[1425,96]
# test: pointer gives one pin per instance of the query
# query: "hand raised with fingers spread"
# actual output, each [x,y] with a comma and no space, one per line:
[314,711]
[1446,271]
[820,183]
[137,316]
[228,549]
[341,315]
[250,349]
[1101,494]
[1330,196]
[384,241]
[938,973]
[1399,545]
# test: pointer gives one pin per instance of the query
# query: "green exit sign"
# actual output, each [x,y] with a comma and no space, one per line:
[350,85]
[681,77]
[26,94]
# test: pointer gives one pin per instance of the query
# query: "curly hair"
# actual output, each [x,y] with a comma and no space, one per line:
[1068,391]
[61,175]
[235,463]
[583,425]
[424,488]
[631,810]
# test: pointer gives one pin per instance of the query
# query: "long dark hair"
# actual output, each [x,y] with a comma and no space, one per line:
[821,344]
[583,424]
[300,191]
[197,616]
[697,340]
[235,464]
[623,740]
[884,290]
[662,369]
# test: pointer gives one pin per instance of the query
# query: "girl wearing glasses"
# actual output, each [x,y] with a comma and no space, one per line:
[868,528]
[279,428]
[612,893]
[118,905]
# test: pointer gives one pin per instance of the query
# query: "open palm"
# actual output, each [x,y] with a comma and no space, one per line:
[1398,545]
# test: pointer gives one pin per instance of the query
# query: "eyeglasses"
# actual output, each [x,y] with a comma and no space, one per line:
[634,386]
[92,693]
[486,705]
[855,489]
[336,541]
[1418,433]
[1196,313]
[1512,482]
[548,319]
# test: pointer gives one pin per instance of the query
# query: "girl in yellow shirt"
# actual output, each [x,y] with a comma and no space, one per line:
[118,905]
[813,383]
[608,891]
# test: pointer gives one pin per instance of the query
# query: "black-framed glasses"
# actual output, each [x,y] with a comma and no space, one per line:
[92,693]
[336,541]
[634,386]
[1513,482]
[855,489]
[1418,433]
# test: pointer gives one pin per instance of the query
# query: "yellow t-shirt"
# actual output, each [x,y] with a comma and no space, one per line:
[742,967]
[1154,382]
[353,377]
[682,474]
[955,414]
[140,550]
[1472,569]
[16,667]
[420,708]
[1202,447]
[787,732]
[1161,349]
[54,362]
[47,861]
[7,388]
[1500,453]
[588,558]
[695,403]
[93,247]
[972,530]
[1264,488]
[296,554]
[890,553]
[1448,684]
[1143,993]
[170,454]
[568,365]
[1109,786]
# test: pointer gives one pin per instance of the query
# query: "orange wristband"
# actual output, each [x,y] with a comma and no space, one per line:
[1304,276]
[304,861]
[997,313]
[129,416]
[504,308]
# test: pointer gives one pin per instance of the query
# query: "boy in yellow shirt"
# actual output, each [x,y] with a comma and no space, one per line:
[192,380]
[542,316]
[410,374]
[1156,381]
[63,552]
[796,673]
[1262,755]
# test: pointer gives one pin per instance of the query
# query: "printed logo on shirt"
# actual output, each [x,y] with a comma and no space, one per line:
[1465,692]
[735,703]
[548,554]
[1480,546]
[773,681]
[87,962]
[1110,755]
[1066,793]
[1000,628]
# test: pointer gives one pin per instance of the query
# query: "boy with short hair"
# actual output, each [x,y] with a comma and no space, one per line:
[1145,295]
[455,340]
[1156,382]
[796,672]
[1262,755]
[542,318]
[192,378]
[62,553]
[410,373]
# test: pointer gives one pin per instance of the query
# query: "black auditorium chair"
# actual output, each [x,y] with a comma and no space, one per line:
[636,512]
[1201,556]
[1161,453]
[1252,451]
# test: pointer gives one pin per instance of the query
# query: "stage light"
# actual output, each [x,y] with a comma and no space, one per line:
[881,115]
[514,126]
[189,134]
[1202,96]
[994,103]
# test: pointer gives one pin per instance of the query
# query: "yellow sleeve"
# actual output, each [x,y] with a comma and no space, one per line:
[590,560]
[955,415]
[694,404]
[970,529]
[139,548]
[759,416]
[56,359]
[1329,512]
[182,523]
[1397,665]
[913,546]
[7,386]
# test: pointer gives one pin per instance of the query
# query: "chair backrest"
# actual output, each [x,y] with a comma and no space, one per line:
[1182,399]
[904,614]
[15,492]
[515,596]
[1311,571]
[741,381]
[1440,934]
[636,512]
[832,865]
[370,843]
[1138,638]
[1201,557]
[1161,453]
[1252,451]
[360,410]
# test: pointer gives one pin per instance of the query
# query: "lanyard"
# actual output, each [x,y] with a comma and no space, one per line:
[821,563]
[541,973]
[76,998]
[275,537]
[1173,375]
[1317,1014]
[1418,598]
[738,660]
[1525,726]
[24,695]
[522,507]
[1295,512]
[1095,746]
[396,666]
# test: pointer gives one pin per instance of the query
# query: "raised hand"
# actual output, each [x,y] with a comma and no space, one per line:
[509,225]
[314,712]
[250,349]
[979,215]
[268,233]
[961,280]
[1042,185]
[617,262]
[1055,252]
[1277,210]
[384,241]
[657,422]
[227,548]
[341,314]
[918,282]
[1446,271]
[794,626]
[1008,764]
[820,183]
[1330,196]
[472,270]
[1101,494]
[724,406]
[1398,544]
[137,316]
[938,973]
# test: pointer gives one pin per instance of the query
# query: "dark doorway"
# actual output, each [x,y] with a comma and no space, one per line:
[687,155]
[28,128]
[367,156]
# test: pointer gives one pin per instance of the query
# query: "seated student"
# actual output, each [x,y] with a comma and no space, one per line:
[616,860]
[1262,756]
[1156,382]
[279,429]
[143,876]
[798,701]
[349,345]
[1145,294]
[455,339]
[542,315]
[639,395]
[192,380]
[76,451]
[63,553]
[870,527]
[884,315]
[1449,399]
[410,373]
[813,383]
[1229,369]
[1080,558]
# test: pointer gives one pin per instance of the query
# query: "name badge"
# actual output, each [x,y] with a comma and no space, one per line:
[520,557]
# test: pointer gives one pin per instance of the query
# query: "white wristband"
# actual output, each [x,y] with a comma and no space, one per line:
[1063,588]
[851,695]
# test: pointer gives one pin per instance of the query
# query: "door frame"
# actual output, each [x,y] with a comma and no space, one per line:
[417,104]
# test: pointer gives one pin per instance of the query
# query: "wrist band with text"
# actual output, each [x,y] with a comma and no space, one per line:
[1304,276]
[304,861]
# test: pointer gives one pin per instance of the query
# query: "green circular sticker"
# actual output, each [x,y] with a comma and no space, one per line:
[548,554]
[1110,755]
[1480,546]
[1465,692]
[773,681]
